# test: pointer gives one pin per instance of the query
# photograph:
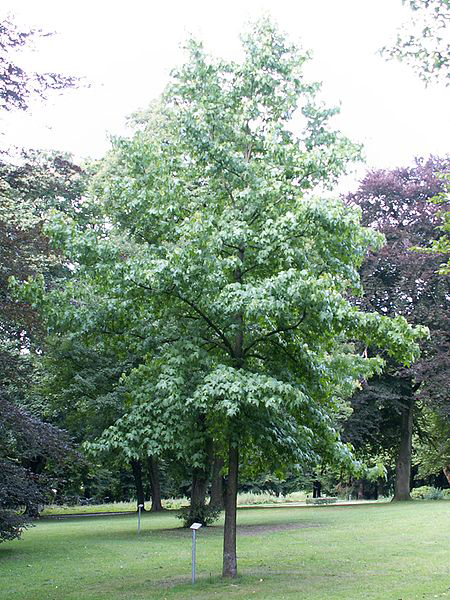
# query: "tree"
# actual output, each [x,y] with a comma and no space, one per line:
[423,41]
[433,452]
[25,439]
[30,183]
[28,188]
[84,393]
[441,245]
[17,86]
[398,281]
[236,278]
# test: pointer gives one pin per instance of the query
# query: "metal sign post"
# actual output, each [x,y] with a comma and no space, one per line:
[139,517]
[194,528]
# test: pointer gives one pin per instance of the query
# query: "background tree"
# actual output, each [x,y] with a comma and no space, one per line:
[441,245]
[30,183]
[18,86]
[398,281]
[84,393]
[25,440]
[423,41]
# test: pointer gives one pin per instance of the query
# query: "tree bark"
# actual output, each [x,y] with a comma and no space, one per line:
[229,537]
[403,466]
[317,488]
[136,467]
[361,490]
[216,496]
[155,485]
[198,492]
[446,471]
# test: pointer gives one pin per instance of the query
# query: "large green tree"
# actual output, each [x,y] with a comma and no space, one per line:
[213,249]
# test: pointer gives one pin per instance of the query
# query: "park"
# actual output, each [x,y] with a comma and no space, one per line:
[217,352]
[377,551]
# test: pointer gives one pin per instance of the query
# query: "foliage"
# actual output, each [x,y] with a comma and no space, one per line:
[18,86]
[442,244]
[423,42]
[31,182]
[24,439]
[427,492]
[206,515]
[433,447]
[398,281]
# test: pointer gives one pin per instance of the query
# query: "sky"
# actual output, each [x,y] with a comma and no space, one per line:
[126,50]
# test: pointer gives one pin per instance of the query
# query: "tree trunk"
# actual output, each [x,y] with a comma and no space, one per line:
[403,466]
[216,497]
[137,474]
[446,471]
[198,490]
[229,537]
[317,488]
[155,485]
[361,490]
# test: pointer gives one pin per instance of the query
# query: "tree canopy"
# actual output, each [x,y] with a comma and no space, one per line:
[423,42]
[18,86]
[31,182]
[397,280]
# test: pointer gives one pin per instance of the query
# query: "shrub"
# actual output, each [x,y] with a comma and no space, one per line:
[206,515]
[427,492]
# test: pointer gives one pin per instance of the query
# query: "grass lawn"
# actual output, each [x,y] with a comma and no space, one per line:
[382,551]
[176,503]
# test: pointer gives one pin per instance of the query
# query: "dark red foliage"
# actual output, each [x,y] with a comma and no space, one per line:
[396,279]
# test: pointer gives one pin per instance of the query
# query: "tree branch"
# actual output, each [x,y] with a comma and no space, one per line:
[274,332]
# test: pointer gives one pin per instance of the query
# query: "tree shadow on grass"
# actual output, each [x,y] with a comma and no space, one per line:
[243,530]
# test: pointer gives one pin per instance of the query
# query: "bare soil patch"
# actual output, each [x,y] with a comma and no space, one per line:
[242,530]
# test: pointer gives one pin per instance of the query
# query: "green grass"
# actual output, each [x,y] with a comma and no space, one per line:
[170,503]
[375,551]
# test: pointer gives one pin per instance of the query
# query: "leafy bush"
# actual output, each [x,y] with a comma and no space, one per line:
[206,515]
[265,498]
[11,525]
[427,492]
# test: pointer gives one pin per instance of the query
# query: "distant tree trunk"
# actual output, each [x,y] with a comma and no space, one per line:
[216,497]
[137,474]
[36,466]
[317,488]
[403,466]
[198,493]
[32,510]
[155,484]
[446,471]
[361,490]
[375,491]
[229,537]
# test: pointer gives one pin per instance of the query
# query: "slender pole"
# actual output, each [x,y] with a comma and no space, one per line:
[139,518]
[193,555]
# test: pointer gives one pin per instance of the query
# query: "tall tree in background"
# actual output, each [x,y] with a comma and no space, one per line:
[30,183]
[398,281]
[212,249]
[423,42]
[17,85]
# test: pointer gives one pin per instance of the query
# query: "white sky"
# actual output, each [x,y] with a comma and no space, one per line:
[126,50]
